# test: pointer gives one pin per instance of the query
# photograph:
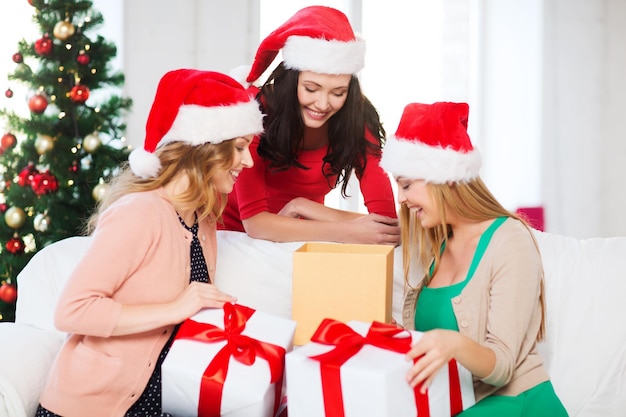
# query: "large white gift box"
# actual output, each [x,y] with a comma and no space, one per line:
[227,362]
[364,374]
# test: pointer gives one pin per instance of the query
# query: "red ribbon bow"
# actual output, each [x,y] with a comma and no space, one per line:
[347,343]
[241,347]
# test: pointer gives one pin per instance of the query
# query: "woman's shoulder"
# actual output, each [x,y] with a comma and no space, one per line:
[139,206]
[513,235]
[142,199]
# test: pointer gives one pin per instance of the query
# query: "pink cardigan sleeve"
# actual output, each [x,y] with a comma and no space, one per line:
[87,304]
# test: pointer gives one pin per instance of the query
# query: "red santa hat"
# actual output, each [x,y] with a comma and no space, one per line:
[432,144]
[195,107]
[316,38]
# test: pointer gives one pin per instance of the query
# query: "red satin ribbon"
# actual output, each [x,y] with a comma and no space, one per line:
[242,348]
[347,343]
[456,400]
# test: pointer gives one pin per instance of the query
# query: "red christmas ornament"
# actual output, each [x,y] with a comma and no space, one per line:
[15,245]
[25,177]
[38,103]
[8,93]
[44,183]
[83,58]
[43,46]
[74,168]
[18,58]
[79,93]
[3,207]
[8,293]
[8,141]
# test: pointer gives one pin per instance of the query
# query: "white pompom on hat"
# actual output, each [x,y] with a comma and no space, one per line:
[316,38]
[432,144]
[195,107]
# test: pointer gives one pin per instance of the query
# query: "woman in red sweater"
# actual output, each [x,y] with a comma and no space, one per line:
[319,130]
[151,256]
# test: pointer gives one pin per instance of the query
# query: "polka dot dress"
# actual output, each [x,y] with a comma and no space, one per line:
[149,404]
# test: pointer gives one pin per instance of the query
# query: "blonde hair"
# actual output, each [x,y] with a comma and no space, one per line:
[471,200]
[199,163]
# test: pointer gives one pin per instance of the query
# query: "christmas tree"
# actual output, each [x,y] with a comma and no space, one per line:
[55,161]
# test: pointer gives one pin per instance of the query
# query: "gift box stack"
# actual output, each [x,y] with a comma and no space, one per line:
[359,369]
[227,362]
[238,362]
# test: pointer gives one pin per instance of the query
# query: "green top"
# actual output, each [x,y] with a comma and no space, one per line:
[434,306]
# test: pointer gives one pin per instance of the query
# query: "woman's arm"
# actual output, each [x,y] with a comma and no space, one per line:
[90,302]
[140,318]
[375,186]
[333,226]
[437,347]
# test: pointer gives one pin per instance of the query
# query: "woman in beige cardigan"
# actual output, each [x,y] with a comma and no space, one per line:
[480,301]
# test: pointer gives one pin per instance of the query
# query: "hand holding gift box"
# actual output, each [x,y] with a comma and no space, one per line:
[360,369]
[227,362]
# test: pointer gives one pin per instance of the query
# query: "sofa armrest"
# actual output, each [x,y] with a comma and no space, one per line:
[27,355]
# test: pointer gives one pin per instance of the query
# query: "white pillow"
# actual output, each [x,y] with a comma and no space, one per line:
[585,347]
[28,354]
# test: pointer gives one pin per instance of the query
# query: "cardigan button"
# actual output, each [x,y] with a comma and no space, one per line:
[464,323]
[456,300]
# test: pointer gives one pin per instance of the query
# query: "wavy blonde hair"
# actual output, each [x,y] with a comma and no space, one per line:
[199,163]
[471,200]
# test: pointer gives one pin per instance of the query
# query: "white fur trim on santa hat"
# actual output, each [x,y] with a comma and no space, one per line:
[239,74]
[198,124]
[415,160]
[144,164]
[324,56]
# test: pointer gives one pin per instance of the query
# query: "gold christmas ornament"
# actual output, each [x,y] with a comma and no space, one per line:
[41,222]
[63,30]
[43,144]
[91,142]
[99,191]
[15,217]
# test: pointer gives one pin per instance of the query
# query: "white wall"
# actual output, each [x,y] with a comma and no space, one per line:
[210,35]
[584,142]
[508,108]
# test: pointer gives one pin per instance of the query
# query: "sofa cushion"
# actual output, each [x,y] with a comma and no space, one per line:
[585,346]
[41,280]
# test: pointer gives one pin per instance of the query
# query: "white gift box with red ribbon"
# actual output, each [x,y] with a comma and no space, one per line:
[227,362]
[364,374]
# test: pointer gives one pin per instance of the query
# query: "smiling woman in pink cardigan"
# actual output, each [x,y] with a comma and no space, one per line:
[152,254]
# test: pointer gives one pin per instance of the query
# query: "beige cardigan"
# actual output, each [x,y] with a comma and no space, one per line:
[500,309]
[139,253]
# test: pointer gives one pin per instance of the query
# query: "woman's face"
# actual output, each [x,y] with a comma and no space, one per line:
[224,180]
[416,195]
[321,96]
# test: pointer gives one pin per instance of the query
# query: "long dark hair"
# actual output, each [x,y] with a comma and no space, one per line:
[284,128]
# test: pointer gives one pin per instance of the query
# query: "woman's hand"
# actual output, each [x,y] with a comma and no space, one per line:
[199,295]
[305,220]
[433,351]
[375,229]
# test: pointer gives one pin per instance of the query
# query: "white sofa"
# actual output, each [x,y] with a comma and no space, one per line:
[585,348]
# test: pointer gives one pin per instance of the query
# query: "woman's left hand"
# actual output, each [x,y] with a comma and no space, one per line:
[433,351]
